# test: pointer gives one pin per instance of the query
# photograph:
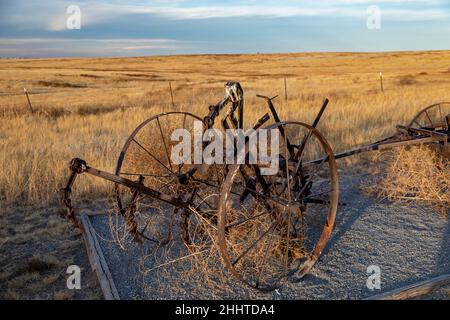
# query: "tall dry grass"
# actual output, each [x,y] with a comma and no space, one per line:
[87,107]
[416,173]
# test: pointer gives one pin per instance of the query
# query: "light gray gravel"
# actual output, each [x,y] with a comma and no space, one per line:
[409,242]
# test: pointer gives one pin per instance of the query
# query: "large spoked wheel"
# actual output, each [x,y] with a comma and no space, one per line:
[171,232]
[434,118]
[274,226]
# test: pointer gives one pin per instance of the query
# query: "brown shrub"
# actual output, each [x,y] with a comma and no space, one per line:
[417,173]
[407,80]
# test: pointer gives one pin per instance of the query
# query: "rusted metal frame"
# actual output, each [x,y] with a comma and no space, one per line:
[440,134]
[208,121]
[423,131]
[378,146]
[276,119]
[258,124]
[240,111]
[305,267]
[314,125]
[384,146]
[84,168]
[136,186]
[214,111]
[130,211]
[67,191]
[257,194]
[298,172]
[259,177]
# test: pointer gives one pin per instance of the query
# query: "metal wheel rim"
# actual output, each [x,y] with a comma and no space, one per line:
[327,229]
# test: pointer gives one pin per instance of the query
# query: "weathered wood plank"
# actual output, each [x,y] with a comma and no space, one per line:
[415,290]
[97,260]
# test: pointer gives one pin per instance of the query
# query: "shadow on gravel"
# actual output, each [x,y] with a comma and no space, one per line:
[444,260]
[348,213]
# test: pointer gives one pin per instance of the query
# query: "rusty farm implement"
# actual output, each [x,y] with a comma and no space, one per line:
[267,227]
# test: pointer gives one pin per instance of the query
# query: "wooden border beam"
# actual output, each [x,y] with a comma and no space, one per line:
[415,290]
[97,260]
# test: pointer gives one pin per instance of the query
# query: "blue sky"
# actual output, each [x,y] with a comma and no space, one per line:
[155,27]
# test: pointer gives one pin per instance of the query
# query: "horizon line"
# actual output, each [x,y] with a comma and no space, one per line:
[221,54]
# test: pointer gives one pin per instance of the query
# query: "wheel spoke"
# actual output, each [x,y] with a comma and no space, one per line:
[263,264]
[429,119]
[151,155]
[311,176]
[272,227]
[235,224]
[302,145]
[164,142]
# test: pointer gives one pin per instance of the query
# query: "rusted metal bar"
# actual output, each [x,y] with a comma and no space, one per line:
[386,145]
[241,114]
[214,111]
[67,191]
[377,146]
[314,125]
[276,119]
[423,131]
[81,167]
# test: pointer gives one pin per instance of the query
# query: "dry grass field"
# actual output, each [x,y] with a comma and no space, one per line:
[87,107]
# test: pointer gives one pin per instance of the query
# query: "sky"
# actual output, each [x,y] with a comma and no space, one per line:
[111,28]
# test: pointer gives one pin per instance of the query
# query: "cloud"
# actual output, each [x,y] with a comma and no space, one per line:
[51,15]
[37,47]
[274,10]
[214,12]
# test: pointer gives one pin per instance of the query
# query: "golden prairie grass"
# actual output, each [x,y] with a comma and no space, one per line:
[87,107]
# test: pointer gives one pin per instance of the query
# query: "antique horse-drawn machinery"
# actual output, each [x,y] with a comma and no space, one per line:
[267,227]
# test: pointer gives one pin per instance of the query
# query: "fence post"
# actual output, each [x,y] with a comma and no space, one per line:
[28,98]
[381,82]
[171,94]
[285,90]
